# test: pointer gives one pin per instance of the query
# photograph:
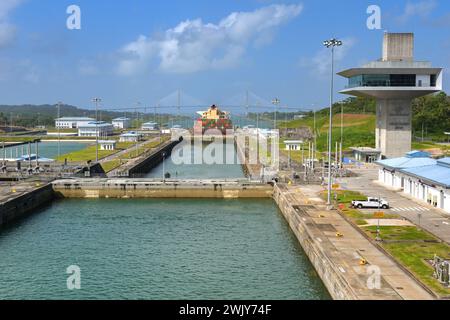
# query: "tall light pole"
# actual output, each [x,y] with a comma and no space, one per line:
[331,44]
[59,128]
[96,101]
[342,134]
[275,102]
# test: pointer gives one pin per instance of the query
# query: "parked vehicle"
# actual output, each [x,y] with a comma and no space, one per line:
[372,203]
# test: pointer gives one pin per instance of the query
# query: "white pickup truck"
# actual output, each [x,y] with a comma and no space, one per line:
[373,203]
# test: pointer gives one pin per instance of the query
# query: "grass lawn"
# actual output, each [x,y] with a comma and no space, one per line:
[402,233]
[134,153]
[86,154]
[415,255]
[17,139]
[111,165]
[359,129]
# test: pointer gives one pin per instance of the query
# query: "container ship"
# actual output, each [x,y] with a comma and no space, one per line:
[215,119]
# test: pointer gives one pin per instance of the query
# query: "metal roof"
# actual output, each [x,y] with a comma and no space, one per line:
[438,174]
[75,119]
[99,124]
[412,160]
[122,119]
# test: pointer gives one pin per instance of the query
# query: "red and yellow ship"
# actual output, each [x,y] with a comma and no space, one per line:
[213,119]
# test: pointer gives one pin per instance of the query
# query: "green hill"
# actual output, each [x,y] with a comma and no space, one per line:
[430,113]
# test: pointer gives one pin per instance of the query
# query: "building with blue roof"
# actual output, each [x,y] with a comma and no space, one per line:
[72,122]
[420,177]
[389,172]
[121,123]
[430,184]
[96,129]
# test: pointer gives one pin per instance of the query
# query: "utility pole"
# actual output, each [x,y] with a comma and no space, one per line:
[10,123]
[342,131]
[59,128]
[96,101]
[179,106]
[331,44]
[275,102]
[247,104]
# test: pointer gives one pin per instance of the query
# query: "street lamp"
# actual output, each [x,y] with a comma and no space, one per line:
[96,101]
[275,102]
[59,128]
[331,44]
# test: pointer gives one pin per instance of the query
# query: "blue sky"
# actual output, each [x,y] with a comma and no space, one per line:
[140,50]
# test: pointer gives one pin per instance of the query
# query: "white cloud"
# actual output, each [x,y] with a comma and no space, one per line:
[7,30]
[194,46]
[321,62]
[421,9]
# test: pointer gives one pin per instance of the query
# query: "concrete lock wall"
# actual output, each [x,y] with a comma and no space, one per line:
[160,190]
[330,274]
[147,164]
[18,207]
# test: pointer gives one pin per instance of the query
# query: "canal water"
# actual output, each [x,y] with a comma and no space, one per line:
[46,149]
[201,162]
[156,249]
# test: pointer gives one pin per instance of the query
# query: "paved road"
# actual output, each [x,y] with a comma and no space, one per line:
[433,220]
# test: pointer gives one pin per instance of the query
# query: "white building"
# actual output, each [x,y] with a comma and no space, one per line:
[420,177]
[121,123]
[430,184]
[94,129]
[109,145]
[293,145]
[130,137]
[150,126]
[72,122]
[366,154]
[389,173]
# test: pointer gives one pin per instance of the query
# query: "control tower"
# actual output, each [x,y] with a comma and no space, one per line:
[394,80]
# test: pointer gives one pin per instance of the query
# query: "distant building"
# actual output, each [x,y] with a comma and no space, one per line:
[365,154]
[107,145]
[293,145]
[131,136]
[150,126]
[121,123]
[420,177]
[94,129]
[299,117]
[72,122]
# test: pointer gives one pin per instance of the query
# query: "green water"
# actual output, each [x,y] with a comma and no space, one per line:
[46,149]
[156,249]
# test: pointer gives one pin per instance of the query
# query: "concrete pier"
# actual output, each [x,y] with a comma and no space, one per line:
[337,258]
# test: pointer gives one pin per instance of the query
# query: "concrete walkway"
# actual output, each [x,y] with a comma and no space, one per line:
[347,251]
[432,220]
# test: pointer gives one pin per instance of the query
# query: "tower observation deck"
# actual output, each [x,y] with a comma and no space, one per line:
[394,80]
